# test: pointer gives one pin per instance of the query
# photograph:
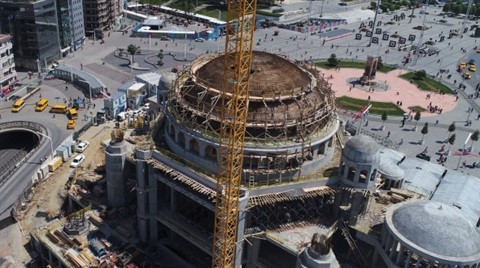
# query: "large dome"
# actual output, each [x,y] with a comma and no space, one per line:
[435,228]
[272,76]
[285,100]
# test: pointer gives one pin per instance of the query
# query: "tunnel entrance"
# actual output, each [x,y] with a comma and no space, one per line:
[15,144]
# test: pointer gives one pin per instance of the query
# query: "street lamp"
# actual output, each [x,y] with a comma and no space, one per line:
[49,139]
[463,150]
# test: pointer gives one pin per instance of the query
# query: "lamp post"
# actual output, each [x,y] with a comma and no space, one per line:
[49,139]
[463,150]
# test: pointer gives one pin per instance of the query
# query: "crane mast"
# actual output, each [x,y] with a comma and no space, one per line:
[234,102]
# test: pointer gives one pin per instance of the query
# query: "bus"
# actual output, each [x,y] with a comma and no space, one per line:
[41,105]
[72,114]
[59,109]
[18,105]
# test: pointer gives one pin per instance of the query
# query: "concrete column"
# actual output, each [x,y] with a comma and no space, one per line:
[393,249]
[400,255]
[252,252]
[241,228]
[115,155]
[409,257]
[355,207]
[143,205]
[384,236]
[337,202]
[389,240]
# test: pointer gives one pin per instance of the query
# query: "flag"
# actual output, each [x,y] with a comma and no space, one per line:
[362,111]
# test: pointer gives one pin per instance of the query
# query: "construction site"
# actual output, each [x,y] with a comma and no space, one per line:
[309,196]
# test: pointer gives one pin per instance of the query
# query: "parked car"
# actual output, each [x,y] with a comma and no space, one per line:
[77,160]
[472,68]
[467,76]
[82,146]
[71,124]
[199,40]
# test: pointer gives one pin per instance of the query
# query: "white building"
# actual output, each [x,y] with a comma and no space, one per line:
[8,74]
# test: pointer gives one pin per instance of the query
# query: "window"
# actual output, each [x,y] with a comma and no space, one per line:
[363,176]
[181,139]
[194,147]
[351,173]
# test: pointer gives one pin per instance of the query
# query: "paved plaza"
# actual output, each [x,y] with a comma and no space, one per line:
[97,59]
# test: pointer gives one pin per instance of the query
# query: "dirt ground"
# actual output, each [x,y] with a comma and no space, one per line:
[48,198]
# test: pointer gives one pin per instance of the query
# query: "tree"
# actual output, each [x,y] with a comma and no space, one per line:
[384,118]
[160,57]
[417,117]
[451,140]
[475,137]
[132,49]
[333,61]
[420,74]
[424,130]
[451,128]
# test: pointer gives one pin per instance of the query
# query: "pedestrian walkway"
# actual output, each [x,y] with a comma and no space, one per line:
[399,89]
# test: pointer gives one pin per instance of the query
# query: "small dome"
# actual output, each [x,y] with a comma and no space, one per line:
[435,227]
[362,149]
[389,170]
[167,80]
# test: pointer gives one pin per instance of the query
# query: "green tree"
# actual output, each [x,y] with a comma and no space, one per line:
[384,118]
[451,140]
[417,117]
[160,57]
[475,137]
[420,74]
[132,49]
[424,130]
[333,61]
[451,128]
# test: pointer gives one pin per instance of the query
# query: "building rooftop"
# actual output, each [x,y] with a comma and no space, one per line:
[435,228]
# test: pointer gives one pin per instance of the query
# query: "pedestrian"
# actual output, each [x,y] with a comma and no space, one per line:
[401,142]
[66,88]
[388,134]
[464,164]
[436,122]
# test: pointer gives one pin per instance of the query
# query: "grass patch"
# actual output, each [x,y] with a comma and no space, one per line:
[416,109]
[378,108]
[427,84]
[352,64]
[212,11]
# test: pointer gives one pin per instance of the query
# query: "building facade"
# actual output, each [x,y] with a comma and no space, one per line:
[35,32]
[7,65]
[99,16]
[77,24]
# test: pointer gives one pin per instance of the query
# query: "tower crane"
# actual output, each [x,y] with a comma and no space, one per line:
[234,105]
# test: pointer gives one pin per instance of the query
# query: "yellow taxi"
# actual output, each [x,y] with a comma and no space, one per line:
[467,76]
[71,124]
[478,50]
[472,68]
[462,65]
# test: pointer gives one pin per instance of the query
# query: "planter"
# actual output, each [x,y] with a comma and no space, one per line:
[421,142]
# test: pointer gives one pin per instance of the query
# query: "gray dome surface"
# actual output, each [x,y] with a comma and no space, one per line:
[438,228]
[390,170]
[362,149]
